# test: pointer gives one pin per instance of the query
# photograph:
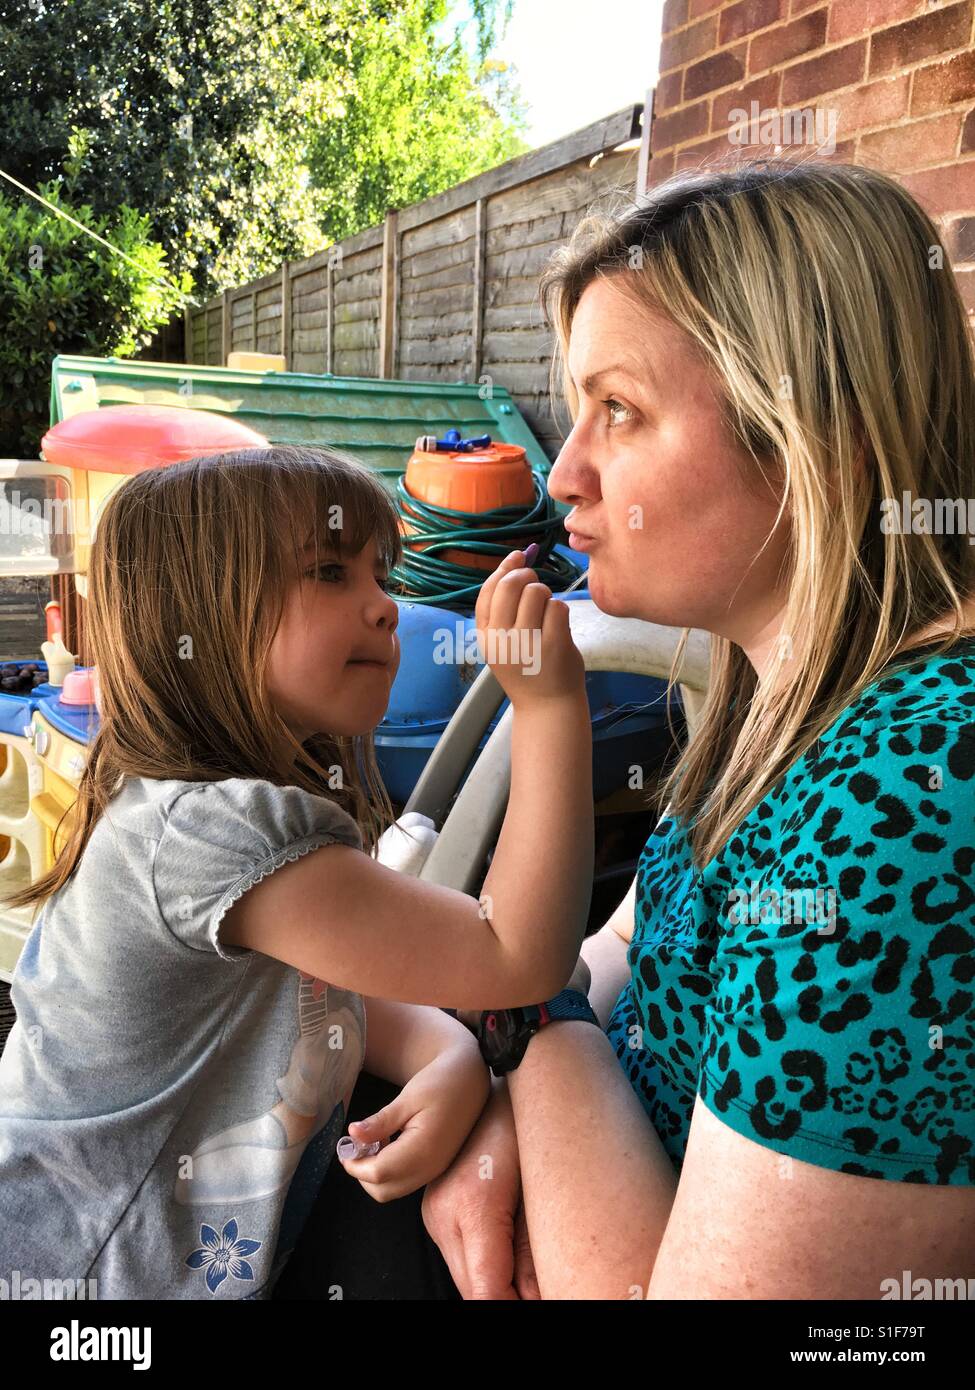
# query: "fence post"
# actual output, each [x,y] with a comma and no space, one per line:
[227,329]
[187,334]
[387,301]
[286,313]
[253,320]
[330,317]
[477,326]
[643,163]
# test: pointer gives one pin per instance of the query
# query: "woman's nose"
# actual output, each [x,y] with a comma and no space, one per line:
[572,477]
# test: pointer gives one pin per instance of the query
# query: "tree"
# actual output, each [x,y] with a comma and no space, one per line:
[60,291]
[420,117]
[202,114]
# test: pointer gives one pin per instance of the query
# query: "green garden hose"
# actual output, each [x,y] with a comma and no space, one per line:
[422,577]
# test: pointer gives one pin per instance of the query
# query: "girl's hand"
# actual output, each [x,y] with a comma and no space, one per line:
[434,1113]
[525,637]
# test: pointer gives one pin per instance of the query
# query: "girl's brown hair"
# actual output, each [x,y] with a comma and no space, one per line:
[189,570]
[821,297]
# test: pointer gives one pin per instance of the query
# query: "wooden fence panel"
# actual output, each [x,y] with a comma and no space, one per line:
[446,289]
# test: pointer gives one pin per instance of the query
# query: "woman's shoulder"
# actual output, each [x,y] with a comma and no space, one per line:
[909,734]
[890,779]
[925,685]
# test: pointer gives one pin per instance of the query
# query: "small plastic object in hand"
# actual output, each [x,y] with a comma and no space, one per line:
[347,1148]
[531,553]
[407,852]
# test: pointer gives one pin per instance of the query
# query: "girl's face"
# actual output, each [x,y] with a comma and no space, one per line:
[656,480]
[335,654]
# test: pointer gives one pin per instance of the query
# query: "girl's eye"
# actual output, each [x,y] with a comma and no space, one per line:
[320,572]
[383,582]
[617,410]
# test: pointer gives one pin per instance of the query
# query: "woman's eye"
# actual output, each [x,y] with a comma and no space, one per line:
[321,572]
[619,413]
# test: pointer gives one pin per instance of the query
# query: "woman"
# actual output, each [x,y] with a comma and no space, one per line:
[781,1105]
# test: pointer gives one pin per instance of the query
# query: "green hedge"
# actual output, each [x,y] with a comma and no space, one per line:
[61,291]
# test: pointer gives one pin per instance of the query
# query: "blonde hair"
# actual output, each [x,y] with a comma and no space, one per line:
[821,297]
[194,560]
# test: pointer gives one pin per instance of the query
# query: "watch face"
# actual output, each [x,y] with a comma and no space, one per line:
[498,1031]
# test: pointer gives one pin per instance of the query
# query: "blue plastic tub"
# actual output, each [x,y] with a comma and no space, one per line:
[16,710]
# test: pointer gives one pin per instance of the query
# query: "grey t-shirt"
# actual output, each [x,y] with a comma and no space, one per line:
[169,1105]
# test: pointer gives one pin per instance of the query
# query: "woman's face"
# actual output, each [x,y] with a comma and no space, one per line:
[656,479]
[336,620]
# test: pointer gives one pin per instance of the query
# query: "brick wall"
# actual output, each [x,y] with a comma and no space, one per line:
[891,82]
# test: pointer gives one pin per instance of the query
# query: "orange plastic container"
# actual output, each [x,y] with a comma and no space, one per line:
[482,481]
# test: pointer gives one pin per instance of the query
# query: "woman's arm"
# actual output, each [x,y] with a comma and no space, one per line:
[745,1221]
[582,1134]
[474,1222]
[605,954]
[752,1223]
[597,1184]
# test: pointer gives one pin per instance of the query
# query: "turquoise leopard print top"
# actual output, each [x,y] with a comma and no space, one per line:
[814,982]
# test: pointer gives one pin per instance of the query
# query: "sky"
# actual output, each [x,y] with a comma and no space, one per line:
[578,60]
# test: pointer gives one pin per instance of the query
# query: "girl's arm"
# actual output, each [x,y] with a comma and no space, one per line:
[341,916]
[402,1039]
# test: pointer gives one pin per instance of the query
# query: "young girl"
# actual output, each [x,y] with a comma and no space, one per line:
[190,1001]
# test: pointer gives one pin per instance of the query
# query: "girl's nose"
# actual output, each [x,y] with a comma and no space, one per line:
[388,616]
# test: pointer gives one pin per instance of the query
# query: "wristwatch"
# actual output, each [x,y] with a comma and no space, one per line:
[504,1034]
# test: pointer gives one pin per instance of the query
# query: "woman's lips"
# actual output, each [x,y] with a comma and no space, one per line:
[578,542]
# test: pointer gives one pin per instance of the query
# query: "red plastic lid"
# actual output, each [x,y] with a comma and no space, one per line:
[132,438]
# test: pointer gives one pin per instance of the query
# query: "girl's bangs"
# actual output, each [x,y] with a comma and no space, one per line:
[341,507]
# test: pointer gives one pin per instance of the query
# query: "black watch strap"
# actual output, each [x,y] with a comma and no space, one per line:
[504,1034]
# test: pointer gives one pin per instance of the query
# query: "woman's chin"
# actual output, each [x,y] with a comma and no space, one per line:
[604,597]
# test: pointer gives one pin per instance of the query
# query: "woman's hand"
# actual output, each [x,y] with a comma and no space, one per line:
[433,1115]
[525,636]
[474,1211]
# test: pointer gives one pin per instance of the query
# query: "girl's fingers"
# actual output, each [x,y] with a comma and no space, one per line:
[507,599]
[393,1164]
[513,561]
[533,606]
